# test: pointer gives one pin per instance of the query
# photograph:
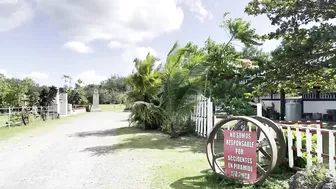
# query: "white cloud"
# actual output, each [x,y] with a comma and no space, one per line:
[137,52]
[38,76]
[116,45]
[130,54]
[14,13]
[4,72]
[90,77]
[120,21]
[197,8]
[78,47]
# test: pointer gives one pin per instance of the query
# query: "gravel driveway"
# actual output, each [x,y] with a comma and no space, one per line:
[72,156]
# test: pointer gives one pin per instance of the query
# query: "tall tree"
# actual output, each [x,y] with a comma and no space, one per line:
[4,90]
[226,72]
[181,76]
[77,94]
[307,29]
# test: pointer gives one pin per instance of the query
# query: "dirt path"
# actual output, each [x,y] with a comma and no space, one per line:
[72,156]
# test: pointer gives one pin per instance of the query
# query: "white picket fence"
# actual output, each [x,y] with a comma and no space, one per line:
[203,116]
[323,149]
[318,149]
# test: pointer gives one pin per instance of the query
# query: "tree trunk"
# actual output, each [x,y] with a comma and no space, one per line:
[173,133]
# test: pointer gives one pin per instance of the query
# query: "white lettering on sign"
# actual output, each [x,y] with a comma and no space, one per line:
[239,159]
[240,143]
[240,175]
[240,155]
[240,135]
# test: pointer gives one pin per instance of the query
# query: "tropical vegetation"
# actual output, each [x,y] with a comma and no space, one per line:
[161,94]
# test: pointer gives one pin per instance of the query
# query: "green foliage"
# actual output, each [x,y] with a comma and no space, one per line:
[240,30]
[302,161]
[146,115]
[165,96]
[145,83]
[15,119]
[15,92]
[181,77]
[77,94]
[277,180]
[47,95]
[307,54]
[316,174]
[113,90]
[229,77]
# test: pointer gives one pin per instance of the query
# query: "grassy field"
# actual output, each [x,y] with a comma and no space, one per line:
[3,120]
[111,107]
[33,128]
[181,163]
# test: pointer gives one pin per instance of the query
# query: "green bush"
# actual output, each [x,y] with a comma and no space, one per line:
[302,161]
[15,118]
[316,174]
[146,116]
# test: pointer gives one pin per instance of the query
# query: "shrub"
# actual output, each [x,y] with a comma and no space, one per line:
[302,161]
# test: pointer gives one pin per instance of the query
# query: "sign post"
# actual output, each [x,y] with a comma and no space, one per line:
[240,155]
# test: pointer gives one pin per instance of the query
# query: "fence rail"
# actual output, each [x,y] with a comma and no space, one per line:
[323,148]
[12,116]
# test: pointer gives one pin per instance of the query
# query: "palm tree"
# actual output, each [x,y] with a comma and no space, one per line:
[181,76]
[145,83]
[165,96]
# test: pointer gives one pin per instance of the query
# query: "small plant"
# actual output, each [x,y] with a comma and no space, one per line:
[302,161]
[15,119]
[316,174]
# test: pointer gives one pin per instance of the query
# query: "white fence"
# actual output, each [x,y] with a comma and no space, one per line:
[203,116]
[12,116]
[319,143]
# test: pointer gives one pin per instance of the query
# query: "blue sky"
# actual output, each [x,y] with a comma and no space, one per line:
[45,39]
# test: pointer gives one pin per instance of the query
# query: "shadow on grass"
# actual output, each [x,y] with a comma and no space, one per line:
[279,179]
[140,139]
[108,132]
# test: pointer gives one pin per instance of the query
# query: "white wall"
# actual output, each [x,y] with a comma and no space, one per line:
[308,106]
[318,106]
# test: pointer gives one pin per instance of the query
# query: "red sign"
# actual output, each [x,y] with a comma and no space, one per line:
[240,155]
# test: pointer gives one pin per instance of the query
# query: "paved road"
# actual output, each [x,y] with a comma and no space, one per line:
[74,155]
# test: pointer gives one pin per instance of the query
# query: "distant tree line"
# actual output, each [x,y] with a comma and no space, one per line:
[17,92]
[111,91]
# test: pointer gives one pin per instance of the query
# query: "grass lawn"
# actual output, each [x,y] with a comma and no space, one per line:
[181,163]
[33,128]
[111,107]
[3,120]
